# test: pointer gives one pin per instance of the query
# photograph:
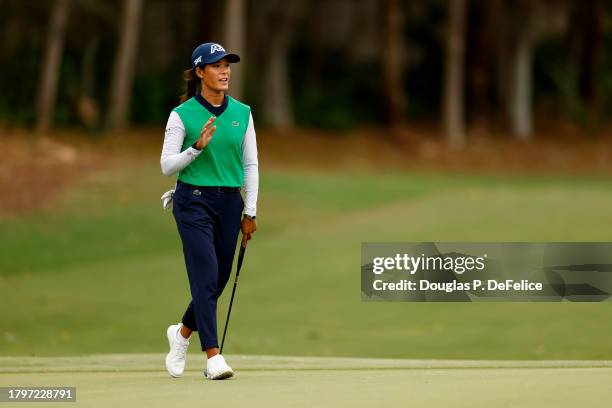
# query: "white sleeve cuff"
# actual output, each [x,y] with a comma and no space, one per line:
[172,159]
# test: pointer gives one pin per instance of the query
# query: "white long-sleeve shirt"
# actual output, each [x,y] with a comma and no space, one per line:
[173,160]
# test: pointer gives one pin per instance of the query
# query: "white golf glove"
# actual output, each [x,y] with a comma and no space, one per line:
[167,199]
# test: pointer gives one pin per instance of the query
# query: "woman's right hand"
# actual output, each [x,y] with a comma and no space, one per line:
[207,133]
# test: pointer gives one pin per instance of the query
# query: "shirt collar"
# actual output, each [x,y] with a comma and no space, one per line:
[215,110]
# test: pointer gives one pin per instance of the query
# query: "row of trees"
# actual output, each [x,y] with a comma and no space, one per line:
[330,63]
[121,84]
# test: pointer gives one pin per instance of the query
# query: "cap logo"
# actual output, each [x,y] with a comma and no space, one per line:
[216,47]
[197,60]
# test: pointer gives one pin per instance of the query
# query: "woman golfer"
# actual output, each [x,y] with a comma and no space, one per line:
[210,142]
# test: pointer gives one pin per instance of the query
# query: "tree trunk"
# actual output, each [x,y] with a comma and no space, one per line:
[277,104]
[49,69]
[454,126]
[278,108]
[234,39]
[520,92]
[393,63]
[502,56]
[123,71]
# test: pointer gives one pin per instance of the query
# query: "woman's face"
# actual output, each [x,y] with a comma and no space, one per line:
[215,76]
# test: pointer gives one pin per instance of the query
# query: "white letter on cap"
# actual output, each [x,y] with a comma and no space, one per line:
[216,47]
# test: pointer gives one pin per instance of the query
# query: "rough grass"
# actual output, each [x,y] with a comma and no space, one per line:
[102,271]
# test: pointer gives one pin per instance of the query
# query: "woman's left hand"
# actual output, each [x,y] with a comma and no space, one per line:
[249,226]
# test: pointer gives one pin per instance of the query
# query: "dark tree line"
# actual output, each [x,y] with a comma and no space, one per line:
[324,63]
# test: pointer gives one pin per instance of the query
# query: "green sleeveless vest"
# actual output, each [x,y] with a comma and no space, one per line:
[220,163]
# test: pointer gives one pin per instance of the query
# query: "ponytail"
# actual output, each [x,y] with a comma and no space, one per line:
[190,86]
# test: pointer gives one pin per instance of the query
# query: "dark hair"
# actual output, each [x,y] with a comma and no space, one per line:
[190,86]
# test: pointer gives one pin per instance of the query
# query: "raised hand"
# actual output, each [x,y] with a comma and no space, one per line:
[206,133]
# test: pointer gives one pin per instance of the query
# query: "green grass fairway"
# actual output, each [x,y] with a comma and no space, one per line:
[131,380]
[104,273]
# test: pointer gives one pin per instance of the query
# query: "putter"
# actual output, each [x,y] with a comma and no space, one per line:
[240,258]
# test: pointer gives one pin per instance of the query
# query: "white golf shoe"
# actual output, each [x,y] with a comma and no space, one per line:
[217,368]
[175,360]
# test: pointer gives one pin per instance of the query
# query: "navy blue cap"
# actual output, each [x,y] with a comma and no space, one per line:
[209,53]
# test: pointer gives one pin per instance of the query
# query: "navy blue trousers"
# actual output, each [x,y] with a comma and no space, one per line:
[208,221]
